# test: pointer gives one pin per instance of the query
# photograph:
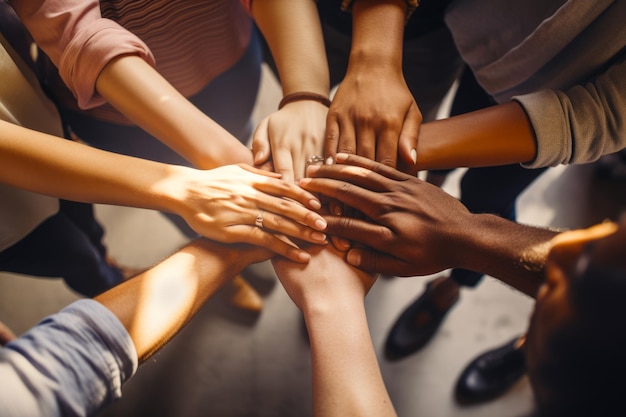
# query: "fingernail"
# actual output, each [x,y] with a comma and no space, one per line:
[414,156]
[320,237]
[354,258]
[258,157]
[329,160]
[313,168]
[320,224]
[313,203]
[345,244]
[340,157]
[304,256]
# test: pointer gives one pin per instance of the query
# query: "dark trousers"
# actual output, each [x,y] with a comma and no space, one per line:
[67,245]
[492,189]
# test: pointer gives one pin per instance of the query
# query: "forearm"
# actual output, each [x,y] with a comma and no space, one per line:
[156,304]
[346,377]
[498,135]
[377,35]
[64,169]
[292,30]
[141,94]
[511,252]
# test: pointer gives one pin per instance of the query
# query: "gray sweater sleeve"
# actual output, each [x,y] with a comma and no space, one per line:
[581,124]
[71,364]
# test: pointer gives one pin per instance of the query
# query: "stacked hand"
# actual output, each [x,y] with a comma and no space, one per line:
[289,137]
[374,115]
[414,228]
[239,203]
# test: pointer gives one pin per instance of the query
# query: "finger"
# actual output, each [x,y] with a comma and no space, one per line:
[365,140]
[409,137]
[259,237]
[281,192]
[358,176]
[282,225]
[283,164]
[261,143]
[378,262]
[340,244]
[259,171]
[332,135]
[365,233]
[368,164]
[370,202]
[387,148]
[347,136]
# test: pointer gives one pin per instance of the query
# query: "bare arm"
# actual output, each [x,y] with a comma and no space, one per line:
[418,229]
[346,377]
[156,304]
[498,135]
[373,113]
[221,203]
[296,132]
[139,92]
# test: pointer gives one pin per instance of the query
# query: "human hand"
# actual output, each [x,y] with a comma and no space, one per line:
[327,280]
[373,114]
[290,137]
[415,228]
[222,204]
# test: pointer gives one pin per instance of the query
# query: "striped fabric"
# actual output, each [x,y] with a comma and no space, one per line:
[193,41]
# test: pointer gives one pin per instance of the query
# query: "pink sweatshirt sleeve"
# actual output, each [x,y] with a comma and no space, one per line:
[79,41]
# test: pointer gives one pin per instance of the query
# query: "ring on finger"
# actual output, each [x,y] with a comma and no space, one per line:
[259,220]
[316,159]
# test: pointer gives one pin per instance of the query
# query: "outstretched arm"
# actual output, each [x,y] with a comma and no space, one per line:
[415,228]
[373,113]
[139,92]
[296,131]
[221,203]
[76,361]
[497,135]
[346,377]
[156,304]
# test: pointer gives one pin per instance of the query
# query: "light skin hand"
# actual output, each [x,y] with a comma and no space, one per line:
[345,372]
[223,203]
[326,280]
[289,137]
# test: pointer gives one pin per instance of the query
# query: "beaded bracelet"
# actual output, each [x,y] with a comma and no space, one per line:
[303,95]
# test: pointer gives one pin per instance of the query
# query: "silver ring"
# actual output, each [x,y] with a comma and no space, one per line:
[313,160]
[259,220]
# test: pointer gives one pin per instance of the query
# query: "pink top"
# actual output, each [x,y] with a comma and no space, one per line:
[190,42]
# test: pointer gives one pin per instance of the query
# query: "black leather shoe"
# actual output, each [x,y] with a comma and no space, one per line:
[408,335]
[491,374]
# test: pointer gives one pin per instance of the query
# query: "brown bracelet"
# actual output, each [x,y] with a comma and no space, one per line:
[303,95]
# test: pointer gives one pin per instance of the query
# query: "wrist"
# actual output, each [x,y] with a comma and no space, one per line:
[320,309]
[304,96]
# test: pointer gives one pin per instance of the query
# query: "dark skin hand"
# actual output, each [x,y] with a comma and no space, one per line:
[406,227]
[412,222]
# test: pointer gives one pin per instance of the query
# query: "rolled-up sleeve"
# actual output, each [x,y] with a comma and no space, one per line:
[581,124]
[73,363]
[79,41]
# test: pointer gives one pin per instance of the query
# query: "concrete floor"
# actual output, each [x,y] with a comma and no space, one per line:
[227,363]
